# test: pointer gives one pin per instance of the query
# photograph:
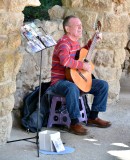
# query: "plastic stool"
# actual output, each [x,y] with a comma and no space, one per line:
[83,116]
[59,114]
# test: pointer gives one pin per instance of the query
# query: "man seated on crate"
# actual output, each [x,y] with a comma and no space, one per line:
[64,57]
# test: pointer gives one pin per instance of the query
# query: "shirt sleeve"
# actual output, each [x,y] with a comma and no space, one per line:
[66,60]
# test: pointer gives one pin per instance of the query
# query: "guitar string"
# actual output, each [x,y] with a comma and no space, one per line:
[91,49]
[88,56]
[81,75]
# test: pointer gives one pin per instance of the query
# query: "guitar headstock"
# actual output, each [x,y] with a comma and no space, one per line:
[97,26]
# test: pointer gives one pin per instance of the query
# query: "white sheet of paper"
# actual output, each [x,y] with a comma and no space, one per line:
[57,142]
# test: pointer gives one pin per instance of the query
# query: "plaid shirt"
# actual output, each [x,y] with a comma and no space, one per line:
[64,56]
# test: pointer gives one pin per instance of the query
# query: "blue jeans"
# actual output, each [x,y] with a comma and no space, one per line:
[71,92]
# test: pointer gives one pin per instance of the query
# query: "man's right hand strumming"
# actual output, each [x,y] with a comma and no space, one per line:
[87,67]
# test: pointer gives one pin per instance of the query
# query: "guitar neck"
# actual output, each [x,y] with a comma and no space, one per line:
[92,47]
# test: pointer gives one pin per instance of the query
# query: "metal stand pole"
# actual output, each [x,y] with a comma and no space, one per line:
[39,102]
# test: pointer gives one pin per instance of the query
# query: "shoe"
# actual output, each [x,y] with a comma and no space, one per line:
[78,129]
[99,123]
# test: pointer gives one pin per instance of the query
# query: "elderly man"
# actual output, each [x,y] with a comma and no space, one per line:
[64,57]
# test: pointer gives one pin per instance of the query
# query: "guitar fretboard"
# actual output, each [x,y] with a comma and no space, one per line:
[92,47]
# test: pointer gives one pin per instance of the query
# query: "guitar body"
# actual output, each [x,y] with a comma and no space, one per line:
[77,76]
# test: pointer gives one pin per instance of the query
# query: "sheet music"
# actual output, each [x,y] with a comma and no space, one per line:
[37,38]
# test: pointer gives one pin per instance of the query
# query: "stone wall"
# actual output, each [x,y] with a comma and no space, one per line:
[11,19]
[108,56]
[126,65]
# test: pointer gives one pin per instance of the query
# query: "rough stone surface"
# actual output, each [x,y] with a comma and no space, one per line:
[108,56]
[6,105]
[11,19]
[5,128]
[56,12]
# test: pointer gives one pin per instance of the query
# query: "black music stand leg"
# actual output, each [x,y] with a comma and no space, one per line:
[39,102]
[38,113]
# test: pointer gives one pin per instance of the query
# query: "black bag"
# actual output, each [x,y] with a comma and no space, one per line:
[30,109]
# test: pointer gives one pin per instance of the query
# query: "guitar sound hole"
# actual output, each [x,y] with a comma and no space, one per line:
[85,60]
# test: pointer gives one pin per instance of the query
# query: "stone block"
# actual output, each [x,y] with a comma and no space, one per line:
[118,9]
[106,73]
[67,3]
[115,23]
[14,40]
[10,23]
[98,5]
[18,59]
[7,88]
[113,40]
[60,27]
[119,57]
[50,26]
[128,7]
[5,128]
[119,1]
[6,66]
[3,41]
[114,90]
[103,58]
[9,65]
[56,12]
[6,105]
[73,3]
[57,35]
[19,5]
[2,6]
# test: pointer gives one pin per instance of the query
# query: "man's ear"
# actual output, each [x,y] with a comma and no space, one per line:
[67,28]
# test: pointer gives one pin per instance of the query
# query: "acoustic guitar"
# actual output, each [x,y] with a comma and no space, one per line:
[82,78]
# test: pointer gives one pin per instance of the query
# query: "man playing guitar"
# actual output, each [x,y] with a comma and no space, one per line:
[64,57]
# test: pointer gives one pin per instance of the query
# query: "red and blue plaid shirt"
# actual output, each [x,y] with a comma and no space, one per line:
[64,56]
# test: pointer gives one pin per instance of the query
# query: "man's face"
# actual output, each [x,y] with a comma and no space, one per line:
[74,28]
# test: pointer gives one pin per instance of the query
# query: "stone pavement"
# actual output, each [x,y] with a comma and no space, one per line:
[100,144]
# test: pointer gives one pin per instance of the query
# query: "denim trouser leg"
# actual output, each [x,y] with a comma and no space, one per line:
[100,91]
[70,91]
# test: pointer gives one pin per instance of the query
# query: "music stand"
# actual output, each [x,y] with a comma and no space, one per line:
[39,97]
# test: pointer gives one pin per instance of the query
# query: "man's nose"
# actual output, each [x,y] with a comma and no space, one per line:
[80,27]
